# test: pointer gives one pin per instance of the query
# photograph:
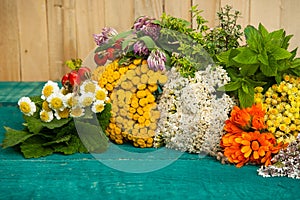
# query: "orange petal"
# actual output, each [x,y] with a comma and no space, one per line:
[255,155]
[255,145]
[261,152]
[245,149]
[245,142]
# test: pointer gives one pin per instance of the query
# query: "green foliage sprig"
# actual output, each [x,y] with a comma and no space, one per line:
[262,62]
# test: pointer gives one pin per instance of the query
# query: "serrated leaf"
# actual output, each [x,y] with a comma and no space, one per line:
[285,42]
[254,38]
[248,70]
[74,145]
[34,125]
[279,53]
[268,70]
[55,123]
[33,147]
[246,56]
[232,86]
[246,99]
[263,57]
[150,44]
[14,137]
[264,32]
[274,39]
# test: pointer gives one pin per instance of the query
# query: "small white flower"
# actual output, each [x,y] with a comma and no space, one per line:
[49,88]
[88,86]
[27,106]
[86,99]
[101,94]
[98,106]
[46,116]
[62,113]
[77,111]
[56,101]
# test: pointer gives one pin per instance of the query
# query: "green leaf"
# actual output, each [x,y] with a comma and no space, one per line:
[279,53]
[33,147]
[248,70]
[34,125]
[246,99]
[122,35]
[232,86]
[274,39]
[55,123]
[150,44]
[74,145]
[246,56]
[268,70]
[263,30]
[254,38]
[285,42]
[14,137]
[65,138]
[263,57]
[245,87]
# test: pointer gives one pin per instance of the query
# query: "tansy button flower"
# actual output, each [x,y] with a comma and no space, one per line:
[49,88]
[27,106]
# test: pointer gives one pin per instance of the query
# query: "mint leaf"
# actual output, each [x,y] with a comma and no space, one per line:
[14,137]
[263,57]
[248,70]
[254,38]
[33,147]
[246,99]
[232,86]
[279,53]
[268,70]
[246,56]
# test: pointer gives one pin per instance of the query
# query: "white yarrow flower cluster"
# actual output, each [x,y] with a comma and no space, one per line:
[193,112]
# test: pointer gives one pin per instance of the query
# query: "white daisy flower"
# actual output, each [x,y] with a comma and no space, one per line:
[46,116]
[71,100]
[101,94]
[49,88]
[88,86]
[77,111]
[86,99]
[56,101]
[98,106]
[27,106]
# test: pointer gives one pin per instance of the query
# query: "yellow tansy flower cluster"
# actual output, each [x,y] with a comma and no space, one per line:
[134,112]
[282,104]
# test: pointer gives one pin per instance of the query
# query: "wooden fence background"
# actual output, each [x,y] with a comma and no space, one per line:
[37,36]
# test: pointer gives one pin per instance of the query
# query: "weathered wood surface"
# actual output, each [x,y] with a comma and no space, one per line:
[38,36]
[82,176]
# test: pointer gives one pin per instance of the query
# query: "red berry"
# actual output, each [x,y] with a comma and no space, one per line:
[65,80]
[118,44]
[100,59]
[74,78]
[110,53]
[84,73]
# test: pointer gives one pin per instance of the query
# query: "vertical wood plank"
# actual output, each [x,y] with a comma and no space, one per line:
[119,14]
[89,19]
[209,13]
[9,43]
[266,12]
[289,14]
[151,8]
[55,38]
[69,30]
[178,8]
[33,40]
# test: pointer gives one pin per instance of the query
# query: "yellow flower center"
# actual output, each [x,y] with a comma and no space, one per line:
[90,87]
[87,101]
[44,116]
[56,103]
[100,95]
[99,107]
[48,90]
[45,106]
[64,113]
[76,112]
[25,107]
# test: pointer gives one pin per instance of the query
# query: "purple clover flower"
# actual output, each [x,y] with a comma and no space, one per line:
[145,24]
[157,60]
[140,48]
[105,35]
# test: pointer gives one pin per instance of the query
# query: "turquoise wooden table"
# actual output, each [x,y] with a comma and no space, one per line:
[85,176]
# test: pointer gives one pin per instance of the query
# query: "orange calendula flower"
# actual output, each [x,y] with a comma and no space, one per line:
[240,117]
[253,147]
